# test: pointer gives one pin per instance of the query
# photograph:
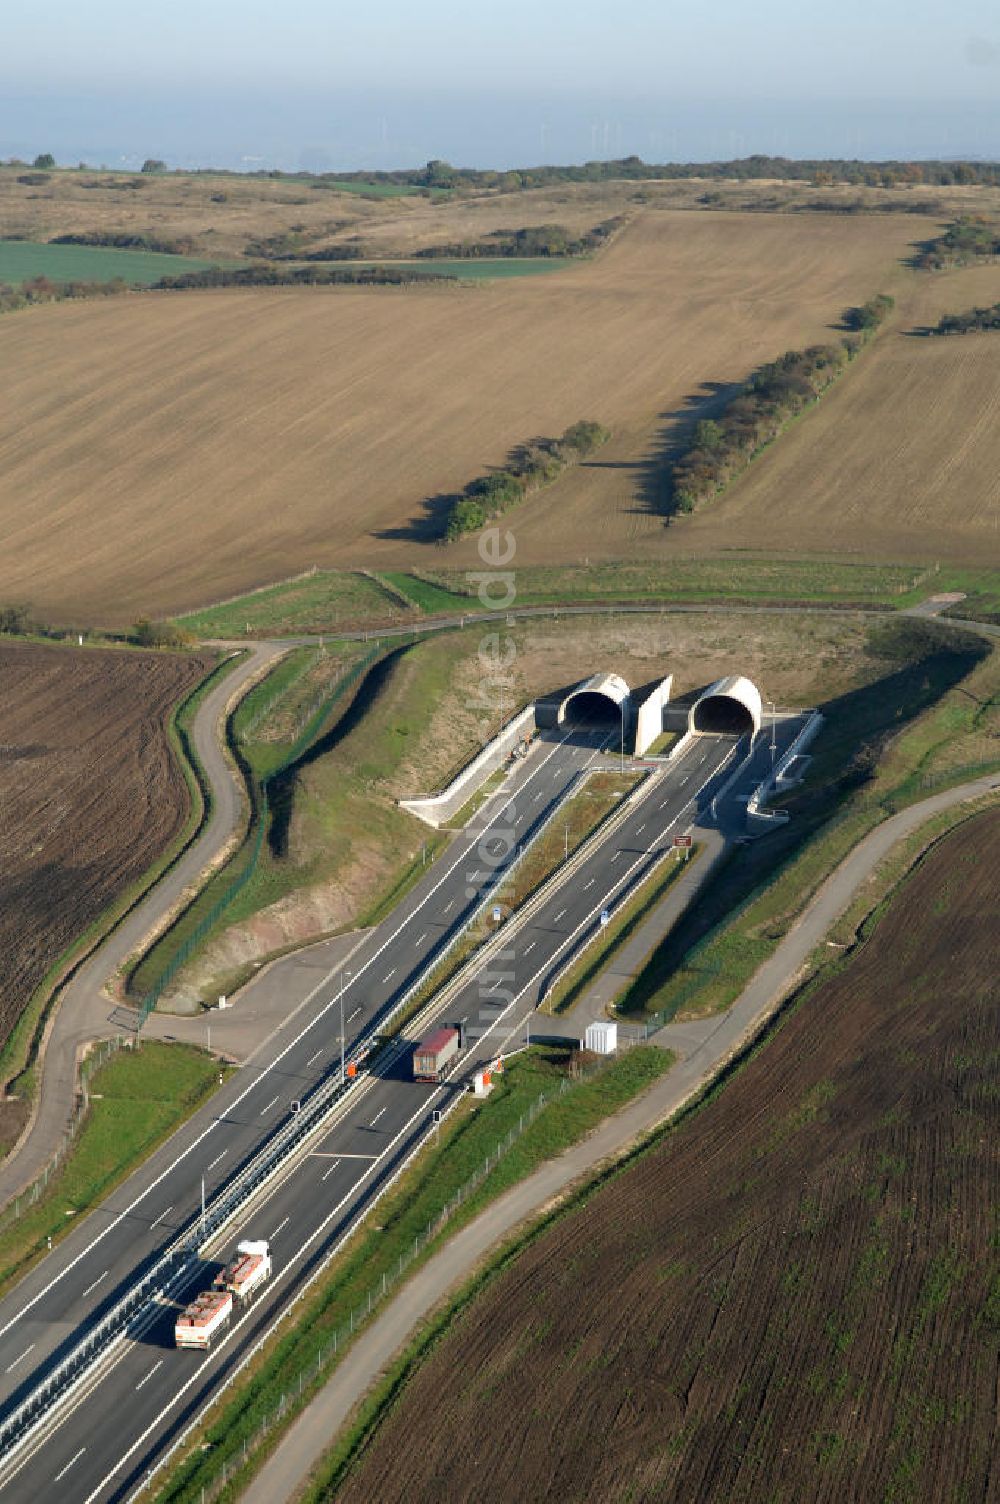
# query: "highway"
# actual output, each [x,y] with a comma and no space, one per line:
[105,1446]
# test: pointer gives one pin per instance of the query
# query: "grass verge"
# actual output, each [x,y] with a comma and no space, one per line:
[288,1365]
[137,1100]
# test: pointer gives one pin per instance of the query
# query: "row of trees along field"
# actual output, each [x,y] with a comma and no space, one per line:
[722,447]
[969,322]
[969,238]
[44,290]
[531,240]
[531,466]
[262,275]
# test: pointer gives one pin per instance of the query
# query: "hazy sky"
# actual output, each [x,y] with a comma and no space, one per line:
[495,82]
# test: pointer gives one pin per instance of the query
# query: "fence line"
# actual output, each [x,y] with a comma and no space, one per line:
[332,1345]
[31,1195]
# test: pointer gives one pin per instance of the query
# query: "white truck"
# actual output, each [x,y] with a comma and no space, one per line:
[249,1270]
[201,1322]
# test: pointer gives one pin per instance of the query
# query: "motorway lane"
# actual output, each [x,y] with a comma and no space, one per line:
[317,1202]
[85,1273]
[297,1215]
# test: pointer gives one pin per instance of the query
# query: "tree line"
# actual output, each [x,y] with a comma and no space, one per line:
[125,240]
[531,240]
[723,447]
[262,275]
[969,322]
[968,238]
[532,466]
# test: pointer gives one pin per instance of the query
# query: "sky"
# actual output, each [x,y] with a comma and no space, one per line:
[324,84]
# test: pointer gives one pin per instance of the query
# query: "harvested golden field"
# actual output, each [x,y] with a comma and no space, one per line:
[794,1296]
[222,440]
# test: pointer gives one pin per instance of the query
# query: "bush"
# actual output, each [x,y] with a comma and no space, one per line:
[45,161]
[158,634]
[871,315]
[533,466]
[722,447]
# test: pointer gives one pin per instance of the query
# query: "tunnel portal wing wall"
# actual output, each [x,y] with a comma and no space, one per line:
[731,706]
[649,716]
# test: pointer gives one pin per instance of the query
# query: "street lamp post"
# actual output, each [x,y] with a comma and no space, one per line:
[342,1040]
[774,744]
[622,707]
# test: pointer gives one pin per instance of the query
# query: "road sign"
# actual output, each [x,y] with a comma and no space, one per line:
[605,918]
[497,913]
[683,842]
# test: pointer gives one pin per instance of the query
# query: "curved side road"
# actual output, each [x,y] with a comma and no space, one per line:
[289,1466]
[82,1010]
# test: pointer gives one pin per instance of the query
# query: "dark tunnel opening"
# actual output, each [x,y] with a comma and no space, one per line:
[724,715]
[592,709]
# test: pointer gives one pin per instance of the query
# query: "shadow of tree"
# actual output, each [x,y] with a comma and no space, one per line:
[674,430]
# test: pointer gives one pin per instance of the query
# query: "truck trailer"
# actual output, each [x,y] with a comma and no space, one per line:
[202,1321]
[433,1053]
[249,1270]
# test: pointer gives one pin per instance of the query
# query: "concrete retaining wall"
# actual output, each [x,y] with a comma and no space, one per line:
[436,809]
[649,716]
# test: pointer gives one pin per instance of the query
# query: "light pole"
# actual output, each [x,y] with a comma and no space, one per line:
[774,745]
[342,1042]
[622,707]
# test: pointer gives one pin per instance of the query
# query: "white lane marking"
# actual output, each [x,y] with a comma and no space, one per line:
[280,1226]
[178,1394]
[352,1016]
[215,1161]
[11,1366]
[127,1211]
[149,1374]
[529,947]
[313,1057]
[330,1171]
[557,917]
[683,781]
[69,1465]
[268,1107]
[640,828]
[590,884]
[392,973]
[423,937]
[448,907]
[94,1284]
[160,1218]
[616,855]
[377,1116]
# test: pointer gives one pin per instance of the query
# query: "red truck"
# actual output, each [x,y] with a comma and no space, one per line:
[433,1053]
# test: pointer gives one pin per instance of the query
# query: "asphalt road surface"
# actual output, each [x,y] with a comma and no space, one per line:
[105,1446]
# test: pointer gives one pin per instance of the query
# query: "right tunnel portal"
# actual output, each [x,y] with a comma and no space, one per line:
[730,707]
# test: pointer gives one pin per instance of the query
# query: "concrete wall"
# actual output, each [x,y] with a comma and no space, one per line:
[649,716]
[436,809]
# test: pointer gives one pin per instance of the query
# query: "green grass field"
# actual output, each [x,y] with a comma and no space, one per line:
[20,260]
[137,1098]
[332,601]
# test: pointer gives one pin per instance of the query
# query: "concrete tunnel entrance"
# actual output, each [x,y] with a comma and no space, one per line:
[592,710]
[730,707]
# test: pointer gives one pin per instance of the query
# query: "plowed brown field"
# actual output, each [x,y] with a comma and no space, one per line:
[89,790]
[243,436]
[794,1297]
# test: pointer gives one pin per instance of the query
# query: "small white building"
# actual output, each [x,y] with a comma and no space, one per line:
[601,1037]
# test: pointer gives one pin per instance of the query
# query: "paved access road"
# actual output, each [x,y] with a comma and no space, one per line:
[104,1447]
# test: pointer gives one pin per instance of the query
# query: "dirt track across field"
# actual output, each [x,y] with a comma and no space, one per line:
[469,1382]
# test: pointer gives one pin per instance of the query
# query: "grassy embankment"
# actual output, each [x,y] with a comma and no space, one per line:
[137,1099]
[331,822]
[387,1236]
[17,1059]
[930,722]
[334,601]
